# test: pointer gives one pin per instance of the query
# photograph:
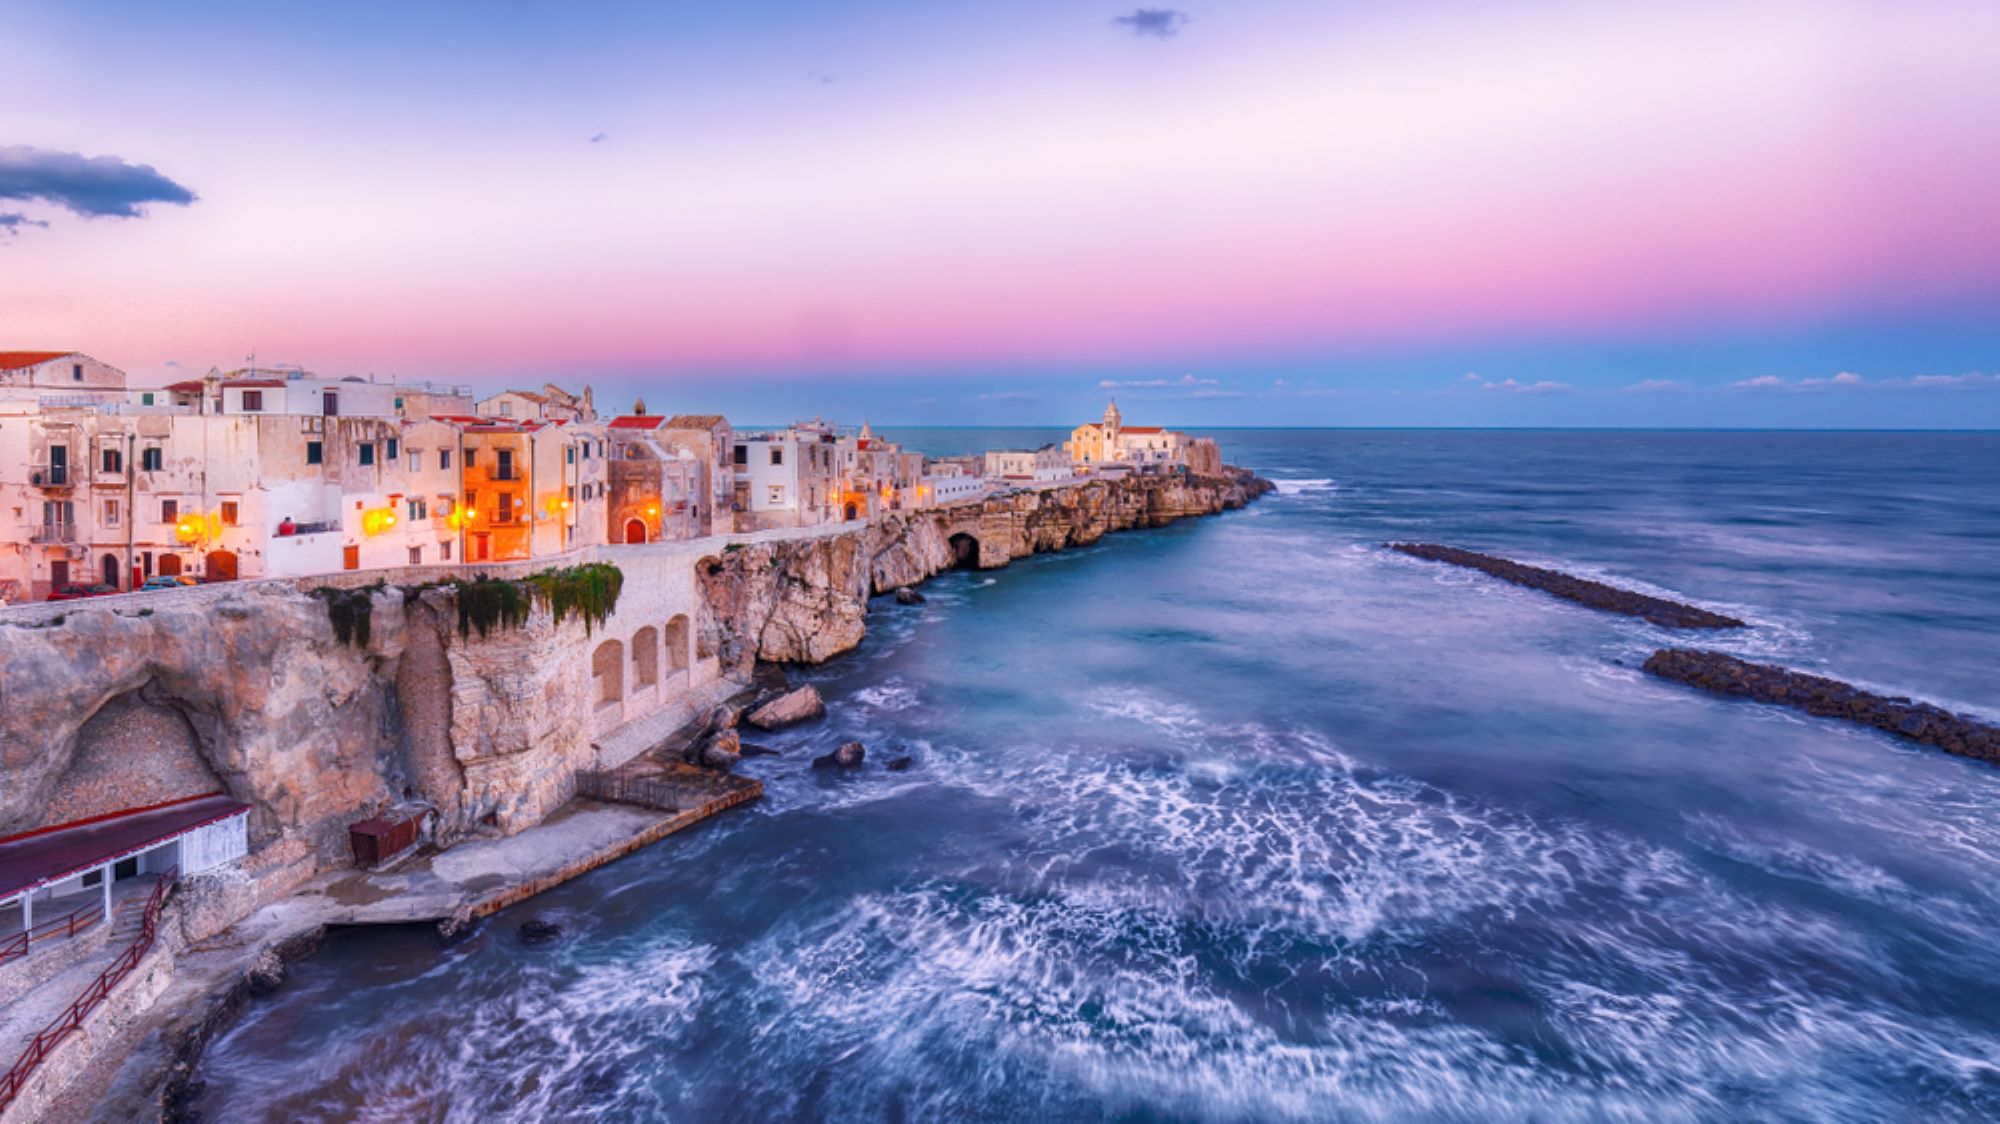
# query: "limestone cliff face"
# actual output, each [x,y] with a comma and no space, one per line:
[248,692]
[804,600]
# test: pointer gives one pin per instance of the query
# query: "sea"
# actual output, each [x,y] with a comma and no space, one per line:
[1247,818]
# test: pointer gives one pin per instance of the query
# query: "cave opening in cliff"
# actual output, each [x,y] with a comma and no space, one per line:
[964,552]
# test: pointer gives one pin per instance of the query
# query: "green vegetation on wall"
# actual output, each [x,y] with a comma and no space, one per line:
[351,611]
[589,590]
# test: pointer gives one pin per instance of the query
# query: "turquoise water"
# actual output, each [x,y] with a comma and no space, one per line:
[1247,818]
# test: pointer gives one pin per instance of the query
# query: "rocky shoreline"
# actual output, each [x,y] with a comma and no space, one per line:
[789,601]
[1583,591]
[1828,698]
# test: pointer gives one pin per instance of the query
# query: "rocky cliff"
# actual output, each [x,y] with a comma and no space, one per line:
[805,600]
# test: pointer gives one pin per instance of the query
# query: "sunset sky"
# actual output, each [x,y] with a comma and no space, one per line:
[1259,212]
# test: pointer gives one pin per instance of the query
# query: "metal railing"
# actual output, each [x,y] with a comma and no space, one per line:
[68,925]
[54,532]
[49,476]
[617,788]
[71,1020]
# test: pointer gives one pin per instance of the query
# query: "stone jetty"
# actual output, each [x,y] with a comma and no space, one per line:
[1828,698]
[1583,591]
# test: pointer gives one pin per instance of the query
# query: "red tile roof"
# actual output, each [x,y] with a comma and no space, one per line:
[188,386]
[1141,429]
[17,360]
[638,421]
[255,384]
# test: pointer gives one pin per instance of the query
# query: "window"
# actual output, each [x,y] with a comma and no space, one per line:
[777,454]
[777,495]
[170,511]
[471,457]
[586,450]
[444,458]
[399,405]
[229,513]
[742,454]
[506,409]
[419,510]
[416,460]
[367,450]
[444,550]
[149,458]
[569,493]
[76,372]
[569,455]
[146,399]
[253,401]
[506,514]
[394,450]
[416,556]
[444,507]
[315,453]
[111,459]
[111,513]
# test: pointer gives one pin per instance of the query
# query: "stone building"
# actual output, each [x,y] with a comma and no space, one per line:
[1048,464]
[788,478]
[658,491]
[1143,448]
[710,442]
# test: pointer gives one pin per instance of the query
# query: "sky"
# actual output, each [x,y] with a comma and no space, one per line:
[1265,212]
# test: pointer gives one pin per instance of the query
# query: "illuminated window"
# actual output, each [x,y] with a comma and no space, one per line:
[229,513]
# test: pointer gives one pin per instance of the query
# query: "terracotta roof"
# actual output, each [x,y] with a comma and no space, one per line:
[186,386]
[638,421]
[1141,429]
[17,360]
[255,384]
[694,421]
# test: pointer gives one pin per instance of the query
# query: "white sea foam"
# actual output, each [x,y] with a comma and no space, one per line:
[1304,487]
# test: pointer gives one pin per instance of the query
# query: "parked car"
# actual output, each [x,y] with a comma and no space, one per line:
[164,581]
[101,590]
[73,591]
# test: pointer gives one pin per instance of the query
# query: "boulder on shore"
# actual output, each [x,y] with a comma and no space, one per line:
[725,717]
[848,756]
[908,596]
[722,749]
[801,704]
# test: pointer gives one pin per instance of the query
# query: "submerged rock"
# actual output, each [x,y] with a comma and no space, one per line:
[908,596]
[538,930]
[898,764]
[801,704]
[850,755]
[752,749]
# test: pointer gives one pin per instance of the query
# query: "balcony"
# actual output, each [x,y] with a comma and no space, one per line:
[50,476]
[54,533]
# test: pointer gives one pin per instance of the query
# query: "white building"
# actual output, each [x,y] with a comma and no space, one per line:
[1047,464]
[788,478]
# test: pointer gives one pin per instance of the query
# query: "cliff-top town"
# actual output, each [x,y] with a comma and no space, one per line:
[260,472]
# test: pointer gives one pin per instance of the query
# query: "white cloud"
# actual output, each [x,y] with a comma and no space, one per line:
[1516,386]
[1761,382]
[1155,384]
[1972,381]
[1657,386]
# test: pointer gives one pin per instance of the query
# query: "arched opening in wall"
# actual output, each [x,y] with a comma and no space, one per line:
[137,750]
[607,674]
[677,643]
[170,565]
[221,566]
[645,657]
[852,513]
[964,552]
[109,566]
[635,530]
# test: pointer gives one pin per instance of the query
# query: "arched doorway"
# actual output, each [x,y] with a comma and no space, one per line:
[110,567]
[221,566]
[170,565]
[677,643]
[607,673]
[964,552]
[635,530]
[645,657]
[852,513]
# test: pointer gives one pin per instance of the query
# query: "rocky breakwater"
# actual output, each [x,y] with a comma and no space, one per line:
[1583,591]
[806,600]
[1828,698]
